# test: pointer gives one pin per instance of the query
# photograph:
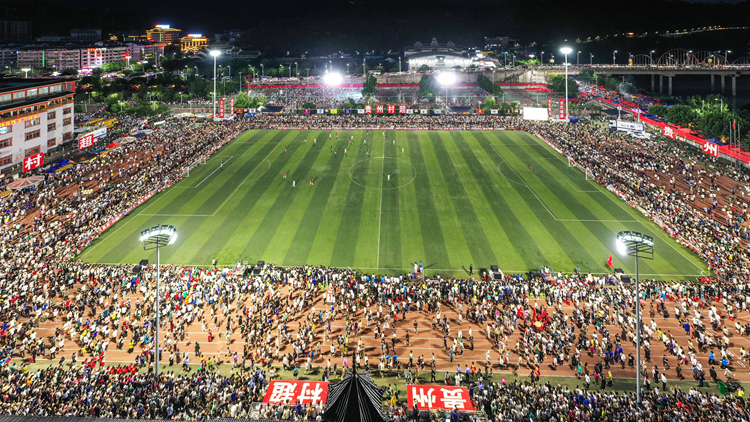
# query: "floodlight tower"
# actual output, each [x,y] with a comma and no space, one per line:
[156,238]
[639,246]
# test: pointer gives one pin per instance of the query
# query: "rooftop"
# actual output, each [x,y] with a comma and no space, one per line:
[14,84]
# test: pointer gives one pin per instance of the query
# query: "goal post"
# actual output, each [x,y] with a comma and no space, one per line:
[587,173]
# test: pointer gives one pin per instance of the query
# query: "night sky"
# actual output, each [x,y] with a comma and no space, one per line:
[330,25]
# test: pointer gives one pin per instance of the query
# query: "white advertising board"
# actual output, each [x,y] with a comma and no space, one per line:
[535,113]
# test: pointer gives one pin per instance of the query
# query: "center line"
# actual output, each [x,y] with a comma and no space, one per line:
[380,219]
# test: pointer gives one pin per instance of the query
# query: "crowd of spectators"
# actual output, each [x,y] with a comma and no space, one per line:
[588,323]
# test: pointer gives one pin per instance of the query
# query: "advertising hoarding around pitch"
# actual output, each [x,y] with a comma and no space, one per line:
[535,113]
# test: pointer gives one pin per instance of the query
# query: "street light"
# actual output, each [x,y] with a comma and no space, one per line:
[215,54]
[578,58]
[156,238]
[566,51]
[591,59]
[640,246]
[614,56]
[27,72]
[128,58]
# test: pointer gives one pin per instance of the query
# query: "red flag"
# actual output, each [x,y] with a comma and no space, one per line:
[734,124]
[609,261]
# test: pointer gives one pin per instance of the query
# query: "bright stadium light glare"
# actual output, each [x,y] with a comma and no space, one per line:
[446,78]
[566,50]
[332,79]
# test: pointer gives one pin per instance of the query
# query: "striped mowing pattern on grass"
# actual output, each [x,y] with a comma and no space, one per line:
[446,198]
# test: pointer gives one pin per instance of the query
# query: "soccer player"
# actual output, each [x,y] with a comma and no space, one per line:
[311,182]
[284,175]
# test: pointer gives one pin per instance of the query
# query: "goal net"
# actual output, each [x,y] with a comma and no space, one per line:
[586,172]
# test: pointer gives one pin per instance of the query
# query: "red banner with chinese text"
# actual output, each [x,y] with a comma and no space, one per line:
[33,161]
[439,397]
[293,392]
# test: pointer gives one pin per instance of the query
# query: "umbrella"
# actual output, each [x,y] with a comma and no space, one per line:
[25,182]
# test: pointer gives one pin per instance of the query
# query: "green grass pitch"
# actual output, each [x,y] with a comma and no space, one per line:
[453,199]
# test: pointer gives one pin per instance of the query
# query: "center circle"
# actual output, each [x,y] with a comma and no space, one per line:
[360,174]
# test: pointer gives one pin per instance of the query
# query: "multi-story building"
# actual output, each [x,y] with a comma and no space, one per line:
[193,43]
[8,60]
[434,47]
[144,51]
[163,34]
[94,57]
[49,58]
[86,34]
[83,58]
[36,116]
[15,30]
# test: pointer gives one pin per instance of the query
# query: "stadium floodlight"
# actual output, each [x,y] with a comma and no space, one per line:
[639,246]
[332,79]
[446,79]
[214,54]
[566,51]
[155,238]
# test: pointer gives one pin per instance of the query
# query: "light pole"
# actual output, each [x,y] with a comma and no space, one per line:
[364,67]
[156,238]
[578,58]
[215,54]
[296,69]
[566,51]
[651,57]
[399,64]
[230,76]
[591,59]
[542,59]
[614,57]
[347,69]
[26,70]
[128,59]
[640,246]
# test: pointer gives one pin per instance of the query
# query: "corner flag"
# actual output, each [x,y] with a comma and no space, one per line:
[609,262]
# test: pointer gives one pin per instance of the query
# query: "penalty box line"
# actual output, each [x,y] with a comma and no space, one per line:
[221,165]
[558,158]
[526,185]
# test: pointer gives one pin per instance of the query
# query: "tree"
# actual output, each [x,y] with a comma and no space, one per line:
[242,100]
[486,84]
[197,87]
[97,72]
[557,84]
[309,106]
[69,72]
[368,88]
[424,68]
[428,86]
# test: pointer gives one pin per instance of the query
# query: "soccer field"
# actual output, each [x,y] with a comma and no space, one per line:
[446,198]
